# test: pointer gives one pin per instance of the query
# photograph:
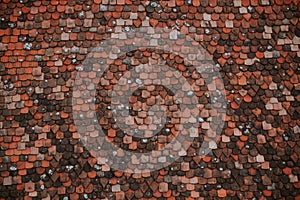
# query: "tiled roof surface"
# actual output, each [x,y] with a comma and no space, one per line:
[256,45]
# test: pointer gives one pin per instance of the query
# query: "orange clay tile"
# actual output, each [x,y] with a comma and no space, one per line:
[254,44]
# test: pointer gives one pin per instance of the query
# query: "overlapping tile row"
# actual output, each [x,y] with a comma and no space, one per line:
[256,45]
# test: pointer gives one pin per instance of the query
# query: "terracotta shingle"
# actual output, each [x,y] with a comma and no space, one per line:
[254,44]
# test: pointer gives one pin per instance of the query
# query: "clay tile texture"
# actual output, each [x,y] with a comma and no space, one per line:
[65,121]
